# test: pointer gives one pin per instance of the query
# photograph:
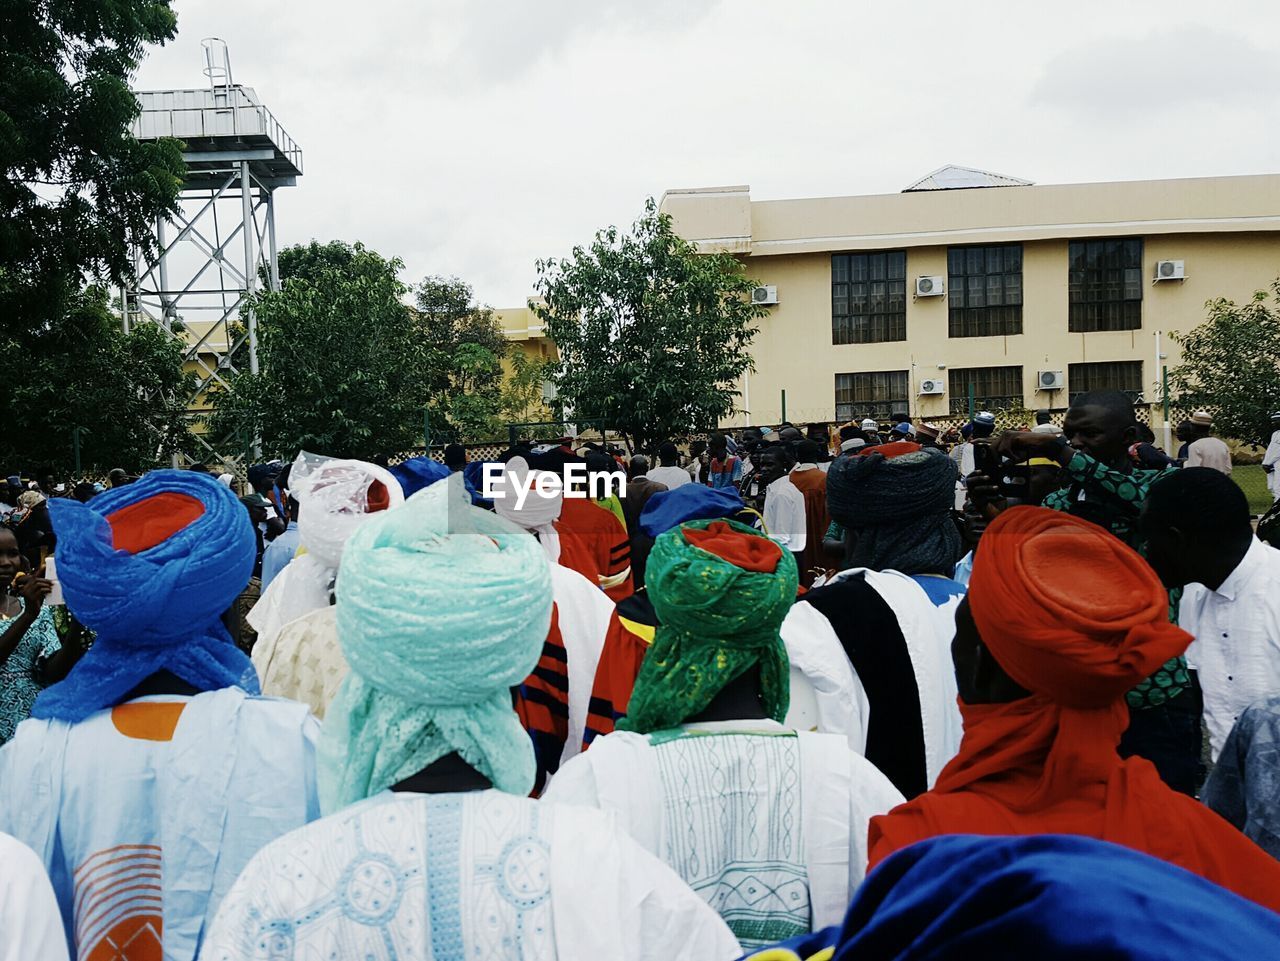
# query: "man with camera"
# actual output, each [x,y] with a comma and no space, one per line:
[1107,489]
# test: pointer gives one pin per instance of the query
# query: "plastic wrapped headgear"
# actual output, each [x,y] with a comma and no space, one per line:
[335,497]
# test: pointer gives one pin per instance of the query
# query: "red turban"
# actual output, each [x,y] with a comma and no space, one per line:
[1068,610]
[1077,618]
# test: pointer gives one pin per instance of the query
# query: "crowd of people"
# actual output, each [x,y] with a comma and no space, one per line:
[879,690]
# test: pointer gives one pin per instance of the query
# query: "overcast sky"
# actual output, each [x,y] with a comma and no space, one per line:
[471,137]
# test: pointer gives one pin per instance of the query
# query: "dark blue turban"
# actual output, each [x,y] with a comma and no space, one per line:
[688,502]
[1043,897]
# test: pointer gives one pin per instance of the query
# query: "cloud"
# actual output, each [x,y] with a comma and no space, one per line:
[1161,73]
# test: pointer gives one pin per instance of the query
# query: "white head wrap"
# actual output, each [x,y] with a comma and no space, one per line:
[538,513]
[333,497]
[333,500]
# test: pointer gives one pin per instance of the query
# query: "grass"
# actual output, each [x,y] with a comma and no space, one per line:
[1253,481]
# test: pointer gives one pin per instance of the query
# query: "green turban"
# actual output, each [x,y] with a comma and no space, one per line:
[720,591]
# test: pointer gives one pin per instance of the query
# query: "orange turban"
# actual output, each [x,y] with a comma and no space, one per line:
[1077,618]
[1067,609]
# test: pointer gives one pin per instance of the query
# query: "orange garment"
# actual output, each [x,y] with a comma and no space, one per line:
[594,542]
[1076,617]
[624,649]
[812,484]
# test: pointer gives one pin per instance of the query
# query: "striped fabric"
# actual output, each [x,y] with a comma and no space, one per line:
[542,702]
[118,904]
[594,542]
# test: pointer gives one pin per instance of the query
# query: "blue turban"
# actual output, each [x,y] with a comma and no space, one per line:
[418,473]
[473,476]
[1048,897]
[688,502]
[441,609]
[151,567]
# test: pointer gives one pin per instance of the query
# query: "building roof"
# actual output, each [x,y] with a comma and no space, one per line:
[954,177]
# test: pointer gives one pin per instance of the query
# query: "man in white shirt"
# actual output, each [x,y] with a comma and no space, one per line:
[1271,459]
[669,473]
[1197,525]
[1205,450]
[784,512]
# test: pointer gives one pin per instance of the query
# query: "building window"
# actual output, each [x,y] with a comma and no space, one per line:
[985,285]
[1122,375]
[994,388]
[1104,285]
[869,297]
[870,394]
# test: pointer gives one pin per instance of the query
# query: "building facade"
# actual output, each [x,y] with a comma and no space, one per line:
[970,288]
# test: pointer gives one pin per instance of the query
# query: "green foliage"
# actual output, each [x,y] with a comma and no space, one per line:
[1231,365]
[77,188]
[125,391]
[653,336]
[522,393]
[343,366]
[464,346]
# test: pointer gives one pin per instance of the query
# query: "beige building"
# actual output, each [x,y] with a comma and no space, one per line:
[970,285]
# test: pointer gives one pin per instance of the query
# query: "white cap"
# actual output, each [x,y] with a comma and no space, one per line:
[869,424]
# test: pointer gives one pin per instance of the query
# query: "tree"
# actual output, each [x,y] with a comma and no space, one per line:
[652,335]
[465,347]
[77,188]
[522,398]
[343,364]
[125,394]
[1231,365]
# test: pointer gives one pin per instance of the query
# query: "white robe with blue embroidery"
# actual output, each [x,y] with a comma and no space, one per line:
[768,825]
[485,875]
[142,836]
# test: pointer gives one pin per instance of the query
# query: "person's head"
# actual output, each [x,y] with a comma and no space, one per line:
[1043,417]
[1200,424]
[850,431]
[1102,424]
[455,457]
[1197,526]
[262,477]
[719,446]
[1065,610]
[84,492]
[927,434]
[336,498]
[599,462]
[869,425]
[1145,434]
[256,505]
[895,503]
[750,439]
[984,424]
[151,567]
[11,560]
[688,502]
[668,455]
[1183,431]
[639,466]
[790,435]
[721,591]
[773,462]
[697,448]
[441,609]
[117,477]
[808,452]
[899,417]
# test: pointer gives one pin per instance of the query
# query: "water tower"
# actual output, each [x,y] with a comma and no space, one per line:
[221,244]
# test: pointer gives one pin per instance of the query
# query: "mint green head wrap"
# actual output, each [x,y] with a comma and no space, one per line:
[441,609]
[721,591]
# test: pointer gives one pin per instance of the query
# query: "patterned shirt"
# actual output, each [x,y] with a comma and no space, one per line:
[18,684]
[1114,499]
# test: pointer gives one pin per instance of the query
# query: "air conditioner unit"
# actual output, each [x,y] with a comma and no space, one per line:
[1050,380]
[930,287]
[1171,270]
[764,295]
[933,387]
